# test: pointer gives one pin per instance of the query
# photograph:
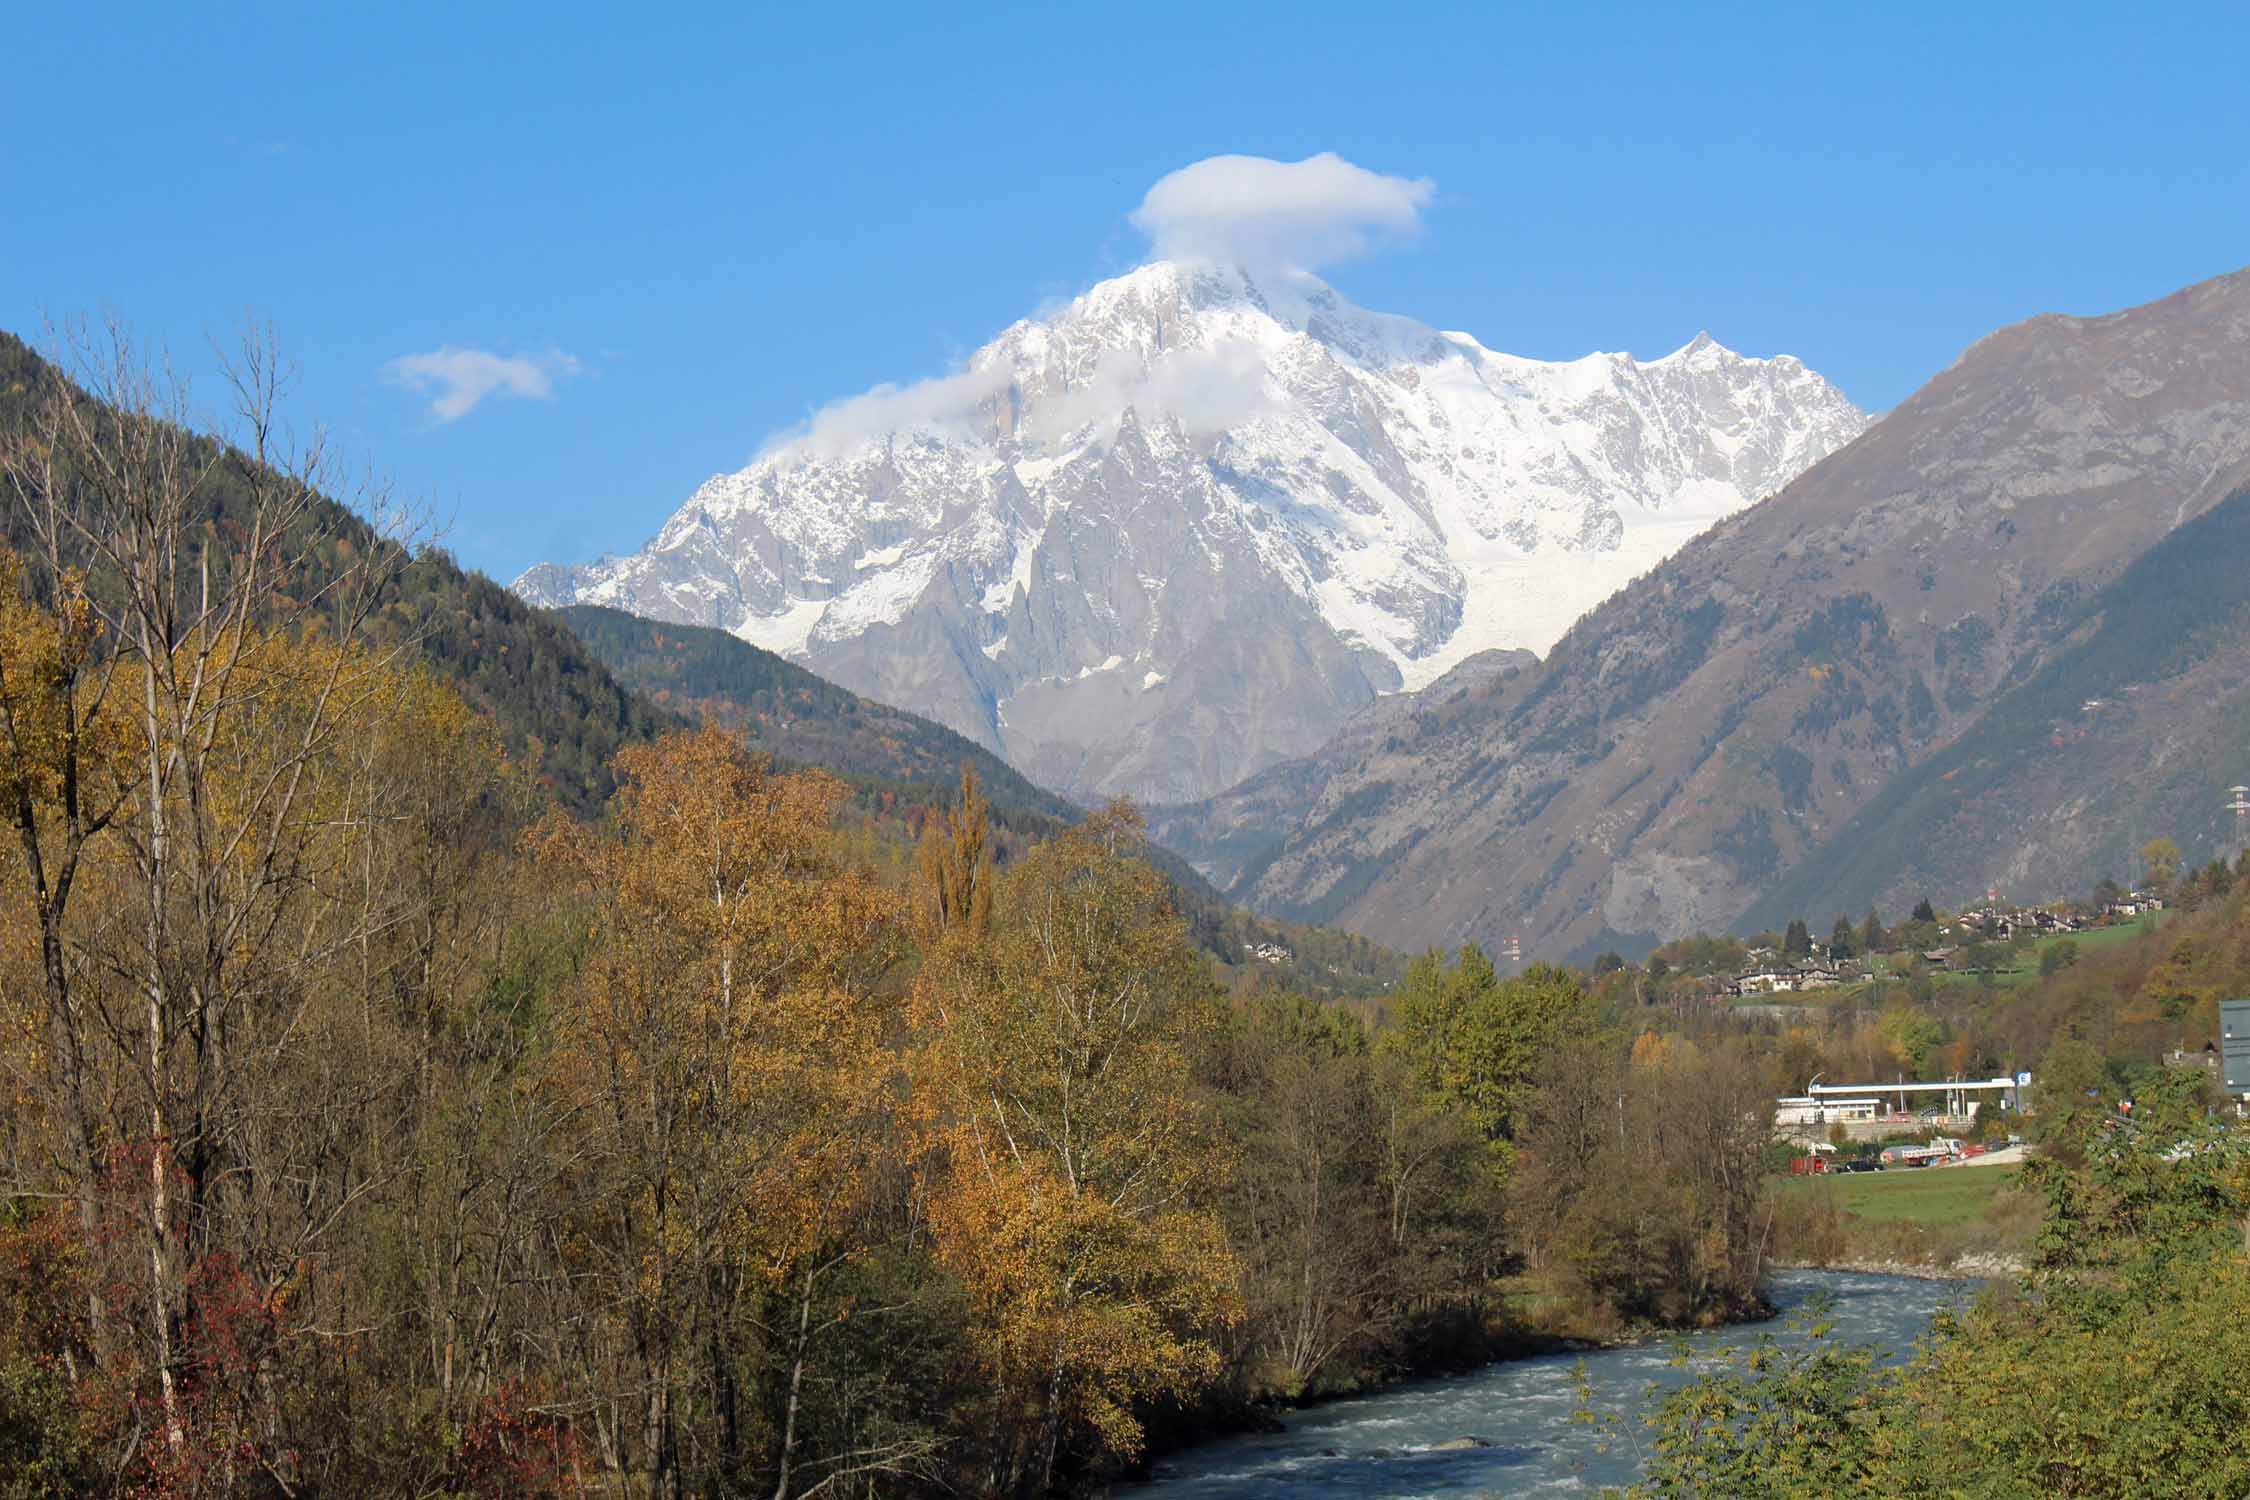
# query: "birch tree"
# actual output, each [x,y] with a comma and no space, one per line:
[209,650]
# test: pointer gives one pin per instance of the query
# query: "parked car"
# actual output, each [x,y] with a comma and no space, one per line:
[1861,1164]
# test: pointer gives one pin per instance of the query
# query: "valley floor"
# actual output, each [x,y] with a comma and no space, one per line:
[1964,1219]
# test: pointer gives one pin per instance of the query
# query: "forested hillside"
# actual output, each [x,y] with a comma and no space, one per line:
[559,710]
[2135,724]
[375,1124]
[2104,1001]
[789,712]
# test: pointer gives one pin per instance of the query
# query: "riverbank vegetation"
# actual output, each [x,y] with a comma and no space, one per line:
[2111,1368]
[380,1120]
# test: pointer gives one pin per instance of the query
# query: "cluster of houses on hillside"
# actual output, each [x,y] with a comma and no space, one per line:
[1996,923]
[1767,975]
[1770,973]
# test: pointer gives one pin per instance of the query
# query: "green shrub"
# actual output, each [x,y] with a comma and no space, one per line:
[42,1452]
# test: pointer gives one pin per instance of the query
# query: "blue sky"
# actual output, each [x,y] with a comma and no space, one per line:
[674,232]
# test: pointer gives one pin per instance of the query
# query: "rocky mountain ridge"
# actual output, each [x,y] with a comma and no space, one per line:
[1181,529]
[1718,726]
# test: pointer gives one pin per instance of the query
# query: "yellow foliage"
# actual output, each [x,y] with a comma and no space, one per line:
[1665,1053]
[727,1033]
[1073,1168]
[956,864]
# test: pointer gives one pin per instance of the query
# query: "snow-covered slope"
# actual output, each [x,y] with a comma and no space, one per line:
[1178,530]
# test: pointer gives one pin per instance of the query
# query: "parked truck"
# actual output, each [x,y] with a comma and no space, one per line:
[1818,1164]
[1941,1149]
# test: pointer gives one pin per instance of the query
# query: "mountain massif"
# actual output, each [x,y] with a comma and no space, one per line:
[1188,525]
[568,689]
[1993,641]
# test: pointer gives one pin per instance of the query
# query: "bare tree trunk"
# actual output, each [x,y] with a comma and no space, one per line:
[1051,1445]
[796,1384]
[160,1270]
[119,497]
[160,1138]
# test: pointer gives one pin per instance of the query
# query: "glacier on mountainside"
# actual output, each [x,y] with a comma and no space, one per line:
[1182,527]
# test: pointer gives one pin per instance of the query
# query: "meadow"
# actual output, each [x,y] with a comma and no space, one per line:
[1923,1216]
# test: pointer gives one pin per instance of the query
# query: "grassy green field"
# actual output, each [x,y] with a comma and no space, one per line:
[1936,1197]
[2093,940]
[1919,1216]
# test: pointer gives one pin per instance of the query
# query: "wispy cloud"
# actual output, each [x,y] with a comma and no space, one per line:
[944,402]
[1254,211]
[456,380]
[1208,390]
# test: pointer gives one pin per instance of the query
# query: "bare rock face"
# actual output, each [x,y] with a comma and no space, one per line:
[1697,750]
[1181,530]
[1228,837]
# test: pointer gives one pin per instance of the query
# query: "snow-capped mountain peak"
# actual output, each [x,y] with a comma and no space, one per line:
[1179,528]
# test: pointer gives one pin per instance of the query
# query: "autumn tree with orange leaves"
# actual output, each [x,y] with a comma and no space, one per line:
[725,1047]
[1074,1170]
[955,859]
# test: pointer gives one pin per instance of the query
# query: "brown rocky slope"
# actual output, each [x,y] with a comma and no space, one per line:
[1717,724]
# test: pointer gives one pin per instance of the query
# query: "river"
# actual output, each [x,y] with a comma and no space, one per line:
[1377,1447]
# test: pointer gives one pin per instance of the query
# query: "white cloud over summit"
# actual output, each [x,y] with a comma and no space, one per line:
[1249,211]
[458,379]
[1254,211]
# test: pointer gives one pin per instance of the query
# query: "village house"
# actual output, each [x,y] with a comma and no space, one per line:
[2134,904]
[1999,924]
[2208,1058]
[1766,979]
[1771,979]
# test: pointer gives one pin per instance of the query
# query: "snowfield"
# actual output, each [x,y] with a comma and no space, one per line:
[1276,503]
